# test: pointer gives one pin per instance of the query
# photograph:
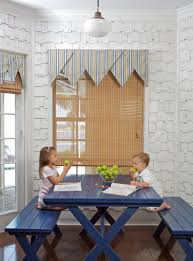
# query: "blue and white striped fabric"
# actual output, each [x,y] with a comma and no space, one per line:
[72,63]
[10,65]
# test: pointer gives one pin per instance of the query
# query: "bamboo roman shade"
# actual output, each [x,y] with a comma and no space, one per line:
[11,72]
[101,124]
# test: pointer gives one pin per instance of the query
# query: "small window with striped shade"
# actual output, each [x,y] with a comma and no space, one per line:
[9,86]
[11,72]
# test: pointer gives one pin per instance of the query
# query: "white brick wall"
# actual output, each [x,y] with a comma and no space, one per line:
[169,106]
[15,33]
[184,155]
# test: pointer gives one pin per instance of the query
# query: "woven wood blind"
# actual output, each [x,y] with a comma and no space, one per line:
[12,87]
[98,125]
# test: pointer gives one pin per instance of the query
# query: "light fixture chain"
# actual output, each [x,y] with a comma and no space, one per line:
[97,5]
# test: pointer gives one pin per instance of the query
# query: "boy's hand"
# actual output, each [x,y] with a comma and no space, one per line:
[133,183]
[139,184]
[145,185]
[131,174]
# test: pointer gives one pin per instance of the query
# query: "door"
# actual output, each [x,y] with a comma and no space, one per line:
[11,156]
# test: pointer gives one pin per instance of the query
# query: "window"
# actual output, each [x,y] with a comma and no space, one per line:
[12,163]
[96,125]
[7,152]
[12,86]
[74,170]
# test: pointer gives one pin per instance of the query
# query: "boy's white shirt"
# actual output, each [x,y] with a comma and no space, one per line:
[146,176]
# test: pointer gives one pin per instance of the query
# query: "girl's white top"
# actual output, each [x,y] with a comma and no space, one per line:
[146,176]
[45,184]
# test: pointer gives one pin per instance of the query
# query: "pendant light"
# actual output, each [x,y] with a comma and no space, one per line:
[97,26]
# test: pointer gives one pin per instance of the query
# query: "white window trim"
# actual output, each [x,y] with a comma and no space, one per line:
[28,156]
[19,152]
[2,131]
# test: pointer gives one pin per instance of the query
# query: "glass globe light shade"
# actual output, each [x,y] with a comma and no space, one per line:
[97,26]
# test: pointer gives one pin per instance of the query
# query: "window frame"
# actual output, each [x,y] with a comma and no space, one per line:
[2,137]
[19,151]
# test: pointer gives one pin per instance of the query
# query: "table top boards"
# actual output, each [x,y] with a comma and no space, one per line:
[91,195]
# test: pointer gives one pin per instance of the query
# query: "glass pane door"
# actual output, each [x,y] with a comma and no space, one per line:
[7,153]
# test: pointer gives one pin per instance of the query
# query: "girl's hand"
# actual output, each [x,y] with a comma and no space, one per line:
[59,178]
[66,168]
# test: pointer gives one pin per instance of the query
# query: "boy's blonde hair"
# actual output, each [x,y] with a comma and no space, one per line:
[144,157]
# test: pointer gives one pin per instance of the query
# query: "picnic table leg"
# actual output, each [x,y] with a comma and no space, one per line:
[111,220]
[165,251]
[32,239]
[95,235]
[159,229]
[102,224]
[94,219]
[113,231]
[188,248]
[57,231]
[50,248]
[30,249]
[171,242]
[102,243]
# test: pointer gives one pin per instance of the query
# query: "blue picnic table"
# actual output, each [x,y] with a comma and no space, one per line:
[91,195]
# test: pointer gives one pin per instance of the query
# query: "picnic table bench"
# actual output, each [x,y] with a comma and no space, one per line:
[179,221]
[31,227]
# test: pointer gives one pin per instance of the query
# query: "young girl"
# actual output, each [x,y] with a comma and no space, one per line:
[48,174]
[144,178]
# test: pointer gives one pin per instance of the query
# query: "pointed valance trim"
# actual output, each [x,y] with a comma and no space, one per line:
[72,63]
[10,65]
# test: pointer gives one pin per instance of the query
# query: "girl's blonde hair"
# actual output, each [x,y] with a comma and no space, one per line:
[44,158]
[144,157]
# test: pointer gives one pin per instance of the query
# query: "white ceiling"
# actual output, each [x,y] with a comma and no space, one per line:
[105,4]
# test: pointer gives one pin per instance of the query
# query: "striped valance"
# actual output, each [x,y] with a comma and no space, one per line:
[73,63]
[10,65]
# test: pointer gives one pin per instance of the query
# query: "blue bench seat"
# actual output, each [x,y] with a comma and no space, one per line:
[179,221]
[35,223]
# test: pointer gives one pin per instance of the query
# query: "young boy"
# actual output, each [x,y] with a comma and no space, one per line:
[144,178]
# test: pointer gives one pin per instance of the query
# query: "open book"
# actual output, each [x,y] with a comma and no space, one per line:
[121,189]
[68,186]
